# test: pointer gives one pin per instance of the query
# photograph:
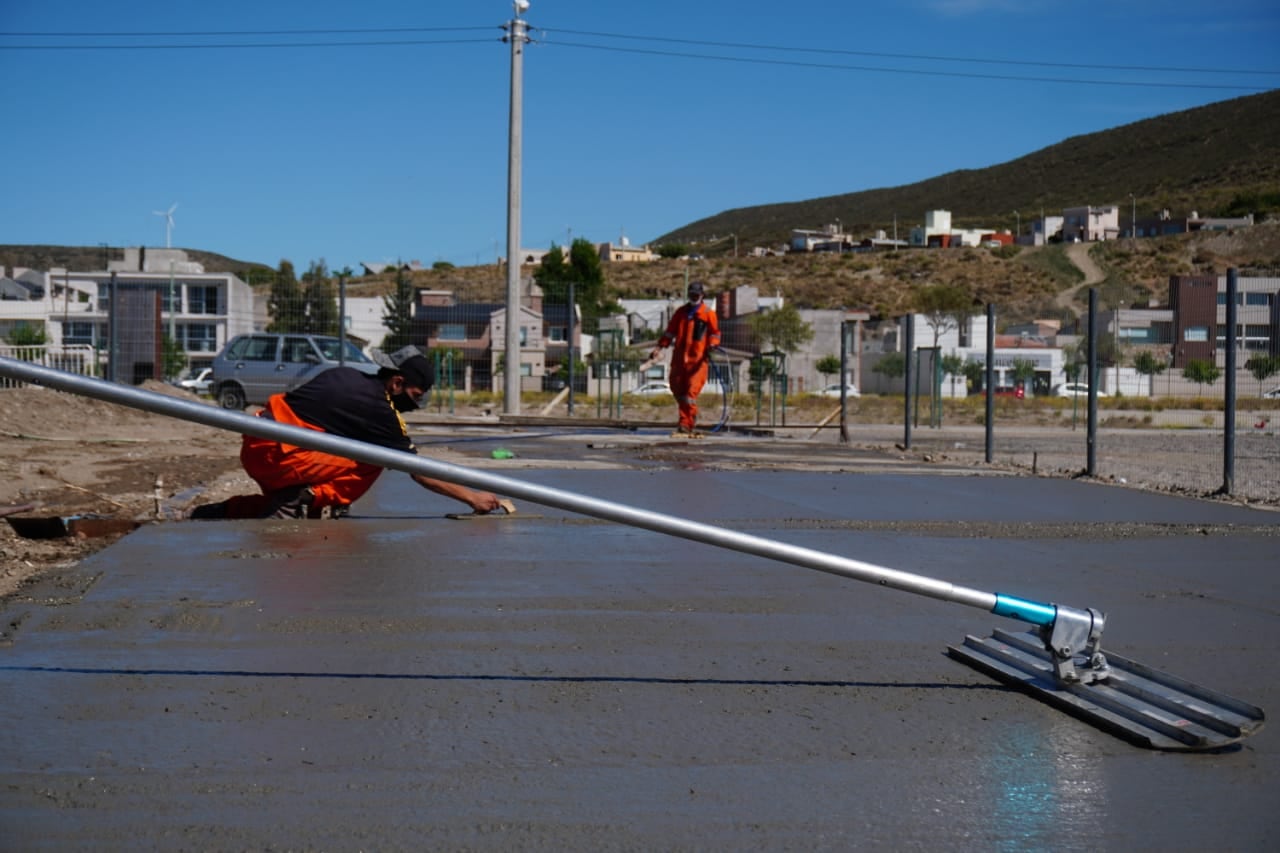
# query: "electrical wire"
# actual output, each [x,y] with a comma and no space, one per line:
[972,75]
[707,57]
[917,56]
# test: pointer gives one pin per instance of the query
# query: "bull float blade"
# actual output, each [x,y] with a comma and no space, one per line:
[1135,702]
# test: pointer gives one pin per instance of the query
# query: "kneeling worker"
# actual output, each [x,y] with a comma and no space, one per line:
[343,401]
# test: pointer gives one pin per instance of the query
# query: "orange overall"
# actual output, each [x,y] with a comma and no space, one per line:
[692,332]
[335,481]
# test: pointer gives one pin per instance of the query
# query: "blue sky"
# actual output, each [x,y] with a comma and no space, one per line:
[639,118]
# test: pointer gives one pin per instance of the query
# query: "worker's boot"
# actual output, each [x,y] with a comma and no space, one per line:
[294,502]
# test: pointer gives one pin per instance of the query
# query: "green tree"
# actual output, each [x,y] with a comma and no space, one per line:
[891,366]
[781,329]
[1022,370]
[286,304]
[952,366]
[946,307]
[1263,367]
[320,298]
[672,250]
[1148,365]
[828,366]
[974,372]
[582,269]
[397,313]
[175,358]
[27,335]
[1201,372]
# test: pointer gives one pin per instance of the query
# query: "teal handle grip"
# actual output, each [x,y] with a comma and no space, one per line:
[1024,611]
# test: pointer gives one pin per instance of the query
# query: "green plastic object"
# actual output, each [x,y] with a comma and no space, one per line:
[503,453]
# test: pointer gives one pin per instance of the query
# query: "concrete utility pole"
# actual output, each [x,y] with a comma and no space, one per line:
[518,36]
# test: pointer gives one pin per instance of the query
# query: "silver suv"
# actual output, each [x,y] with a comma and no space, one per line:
[251,368]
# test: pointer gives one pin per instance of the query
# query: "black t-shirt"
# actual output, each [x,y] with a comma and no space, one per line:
[350,403]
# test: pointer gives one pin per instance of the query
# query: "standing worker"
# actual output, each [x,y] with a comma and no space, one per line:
[343,401]
[692,333]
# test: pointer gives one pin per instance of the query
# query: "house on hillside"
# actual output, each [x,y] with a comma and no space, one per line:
[1087,224]
[623,252]
[829,238]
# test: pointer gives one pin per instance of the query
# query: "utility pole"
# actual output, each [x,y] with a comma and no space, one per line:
[517,34]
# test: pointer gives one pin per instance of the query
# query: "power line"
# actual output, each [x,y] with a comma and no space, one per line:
[184,33]
[644,51]
[244,45]
[912,71]
[920,56]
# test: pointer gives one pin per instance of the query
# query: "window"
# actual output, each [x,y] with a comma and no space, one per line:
[452,332]
[259,348]
[524,336]
[557,334]
[526,369]
[296,350]
[201,337]
[202,299]
[1195,334]
[78,332]
[1257,299]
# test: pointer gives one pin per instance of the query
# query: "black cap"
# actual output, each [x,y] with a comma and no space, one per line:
[697,288]
[418,372]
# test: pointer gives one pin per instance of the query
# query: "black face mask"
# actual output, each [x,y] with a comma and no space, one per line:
[402,402]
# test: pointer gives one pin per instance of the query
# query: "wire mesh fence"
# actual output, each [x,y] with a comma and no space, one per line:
[1206,400]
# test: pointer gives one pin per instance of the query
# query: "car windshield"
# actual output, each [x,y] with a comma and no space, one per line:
[330,347]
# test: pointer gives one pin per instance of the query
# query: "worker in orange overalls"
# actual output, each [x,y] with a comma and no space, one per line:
[301,483]
[692,333]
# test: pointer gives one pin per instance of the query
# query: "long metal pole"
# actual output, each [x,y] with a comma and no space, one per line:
[511,370]
[190,410]
[990,379]
[1091,441]
[1229,403]
[342,319]
[908,346]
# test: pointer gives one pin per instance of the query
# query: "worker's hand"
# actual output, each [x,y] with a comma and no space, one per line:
[483,502]
[653,356]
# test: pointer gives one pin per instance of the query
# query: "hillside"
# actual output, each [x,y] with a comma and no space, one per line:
[95,257]
[1220,159]
[1026,284]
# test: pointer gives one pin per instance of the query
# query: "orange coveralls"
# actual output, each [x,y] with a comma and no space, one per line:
[335,481]
[692,332]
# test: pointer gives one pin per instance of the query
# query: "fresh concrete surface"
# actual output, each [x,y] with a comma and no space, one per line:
[397,680]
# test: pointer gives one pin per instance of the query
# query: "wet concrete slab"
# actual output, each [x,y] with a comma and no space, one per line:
[401,681]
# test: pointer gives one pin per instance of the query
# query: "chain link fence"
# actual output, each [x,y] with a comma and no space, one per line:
[1201,429]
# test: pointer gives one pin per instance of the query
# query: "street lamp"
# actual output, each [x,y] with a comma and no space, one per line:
[1019,226]
[1133,216]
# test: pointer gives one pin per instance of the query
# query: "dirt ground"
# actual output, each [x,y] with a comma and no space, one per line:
[65,456]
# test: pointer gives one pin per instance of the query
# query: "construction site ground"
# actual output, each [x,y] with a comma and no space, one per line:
[400,680]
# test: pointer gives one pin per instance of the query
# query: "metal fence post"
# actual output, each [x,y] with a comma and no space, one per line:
[1229,403]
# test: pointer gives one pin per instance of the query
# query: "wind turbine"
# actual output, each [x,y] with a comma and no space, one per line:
[168,224]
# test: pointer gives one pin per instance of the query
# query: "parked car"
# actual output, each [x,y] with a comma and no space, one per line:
[1076,389]
[1273,394]
[1014,392]
[834,390]
[652,389]
[251,368]
[198,384]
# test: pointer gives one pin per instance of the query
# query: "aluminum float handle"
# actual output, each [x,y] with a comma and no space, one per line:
[190,410]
